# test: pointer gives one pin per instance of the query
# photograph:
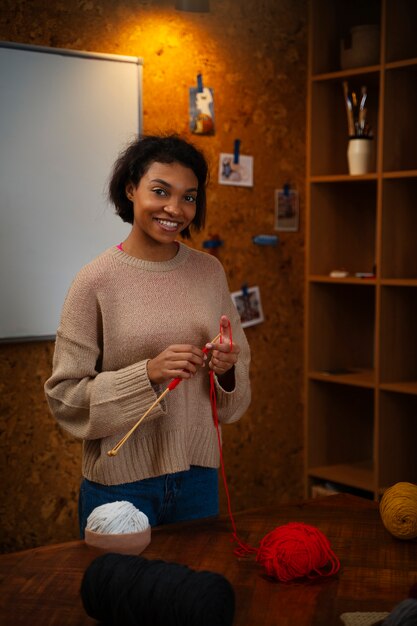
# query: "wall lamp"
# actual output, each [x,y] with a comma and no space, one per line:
[197,6]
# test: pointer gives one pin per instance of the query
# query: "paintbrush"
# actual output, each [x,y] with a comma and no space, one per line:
[349,110]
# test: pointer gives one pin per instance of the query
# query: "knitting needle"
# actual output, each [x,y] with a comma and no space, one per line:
[174,382]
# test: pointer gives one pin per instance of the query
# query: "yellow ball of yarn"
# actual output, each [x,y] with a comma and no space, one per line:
[398,509]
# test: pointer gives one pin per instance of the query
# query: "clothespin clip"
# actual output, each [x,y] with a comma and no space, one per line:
[265,240]
[213,244]
[245,290]
[236,151]
[199,83]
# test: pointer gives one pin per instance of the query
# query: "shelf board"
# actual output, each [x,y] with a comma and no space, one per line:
[353,71]
[357,378]
[342,178]
[353,280]
[400,174]
[399,282]
[349,280]
[359,71]
[392,65]
[409,386]
[359,475]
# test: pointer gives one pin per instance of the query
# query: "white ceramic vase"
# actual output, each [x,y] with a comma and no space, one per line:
[360,155]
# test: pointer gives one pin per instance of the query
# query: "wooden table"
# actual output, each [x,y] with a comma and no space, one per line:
[41,586]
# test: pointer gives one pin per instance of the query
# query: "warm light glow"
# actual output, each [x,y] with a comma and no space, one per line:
[158,32]
[175,46]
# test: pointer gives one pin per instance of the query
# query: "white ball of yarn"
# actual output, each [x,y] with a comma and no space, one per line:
[116,518]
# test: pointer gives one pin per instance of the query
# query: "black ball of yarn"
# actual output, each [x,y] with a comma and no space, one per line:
[123,590]
[403,614]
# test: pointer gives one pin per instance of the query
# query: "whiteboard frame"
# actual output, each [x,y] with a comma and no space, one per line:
[138,61]
[86,54]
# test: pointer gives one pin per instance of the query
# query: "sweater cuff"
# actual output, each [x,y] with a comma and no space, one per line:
[136,393]
[232,404]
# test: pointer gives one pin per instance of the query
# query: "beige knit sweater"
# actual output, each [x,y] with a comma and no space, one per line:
[119,312]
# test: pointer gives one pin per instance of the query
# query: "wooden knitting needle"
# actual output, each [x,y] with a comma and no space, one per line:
[174,382]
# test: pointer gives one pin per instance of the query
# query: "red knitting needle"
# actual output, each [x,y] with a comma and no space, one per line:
[174,383]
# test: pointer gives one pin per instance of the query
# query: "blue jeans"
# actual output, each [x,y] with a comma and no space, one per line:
[187,495]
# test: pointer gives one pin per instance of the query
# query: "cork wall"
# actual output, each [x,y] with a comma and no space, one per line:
[252,53]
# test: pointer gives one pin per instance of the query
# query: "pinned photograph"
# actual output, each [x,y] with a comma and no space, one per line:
[286,209]
[249,306]
[201,109]
[235,173]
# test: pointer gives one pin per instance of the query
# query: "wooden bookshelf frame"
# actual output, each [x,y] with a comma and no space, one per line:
[361,334]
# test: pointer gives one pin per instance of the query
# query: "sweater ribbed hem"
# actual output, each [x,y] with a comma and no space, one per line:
[164,452]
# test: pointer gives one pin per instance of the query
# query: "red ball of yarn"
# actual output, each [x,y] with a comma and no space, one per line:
[297,550]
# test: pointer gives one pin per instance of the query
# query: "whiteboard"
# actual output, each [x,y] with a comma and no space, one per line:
[64,118]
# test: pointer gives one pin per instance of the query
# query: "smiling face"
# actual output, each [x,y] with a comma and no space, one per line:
[164,204]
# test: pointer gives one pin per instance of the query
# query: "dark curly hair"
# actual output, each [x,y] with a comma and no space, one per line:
[135,161]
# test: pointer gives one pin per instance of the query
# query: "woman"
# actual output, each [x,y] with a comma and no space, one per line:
[135,318]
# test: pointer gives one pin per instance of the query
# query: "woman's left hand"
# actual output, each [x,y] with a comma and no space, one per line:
[224,356]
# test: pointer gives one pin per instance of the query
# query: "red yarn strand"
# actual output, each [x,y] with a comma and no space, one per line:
[243,548]
[289,552]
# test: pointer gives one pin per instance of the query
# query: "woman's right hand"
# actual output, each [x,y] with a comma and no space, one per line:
[177,361]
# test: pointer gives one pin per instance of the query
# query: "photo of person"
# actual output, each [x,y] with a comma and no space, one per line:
[201,111]
[231,173]
[249,306]
[286,210]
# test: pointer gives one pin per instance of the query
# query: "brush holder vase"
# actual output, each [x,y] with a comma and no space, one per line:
[360,155]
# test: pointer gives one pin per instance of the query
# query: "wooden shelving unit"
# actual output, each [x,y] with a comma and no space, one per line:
[361,334]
